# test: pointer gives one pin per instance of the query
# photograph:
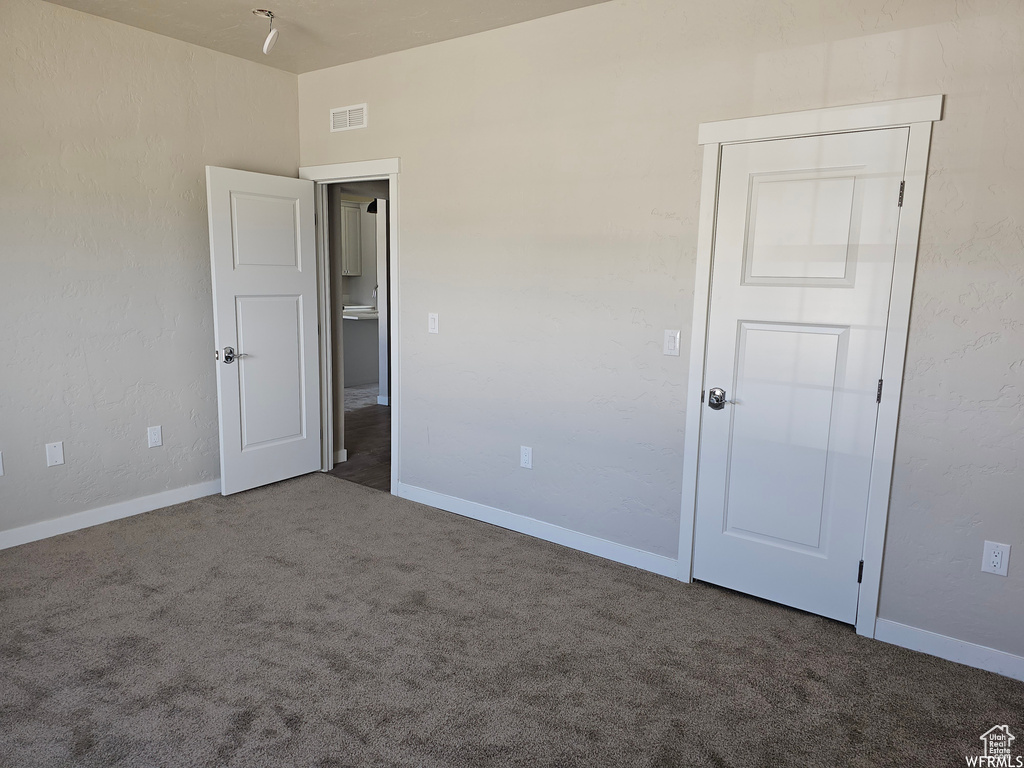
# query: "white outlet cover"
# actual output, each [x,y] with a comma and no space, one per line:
[155,436]
[1,463]
[996,558]
[526,457]
[54,454]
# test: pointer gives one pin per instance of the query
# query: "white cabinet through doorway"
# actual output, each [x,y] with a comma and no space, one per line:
[351,244]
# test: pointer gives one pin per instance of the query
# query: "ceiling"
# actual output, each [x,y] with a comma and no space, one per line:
[320,33]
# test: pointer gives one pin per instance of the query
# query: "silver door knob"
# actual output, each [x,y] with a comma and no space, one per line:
[230,355]
[716,399]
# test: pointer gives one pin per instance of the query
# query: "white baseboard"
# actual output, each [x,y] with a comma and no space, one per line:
[91,517]
[609,550]
[951,649]
[340,456]
[382,400]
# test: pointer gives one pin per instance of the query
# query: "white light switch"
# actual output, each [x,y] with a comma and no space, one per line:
[54,454]
[671,343]
[155,435]
[1,463]
[432,322]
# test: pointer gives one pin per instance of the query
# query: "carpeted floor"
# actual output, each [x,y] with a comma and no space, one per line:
[320,623]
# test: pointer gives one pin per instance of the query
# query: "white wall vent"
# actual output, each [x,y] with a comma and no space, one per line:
[347,118]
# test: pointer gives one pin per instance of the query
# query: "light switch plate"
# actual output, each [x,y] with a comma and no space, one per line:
[1,463]
[432,322]
[54,454]
[671,343]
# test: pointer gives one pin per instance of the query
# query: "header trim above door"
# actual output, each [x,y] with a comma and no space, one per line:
[360,169]
[855,117]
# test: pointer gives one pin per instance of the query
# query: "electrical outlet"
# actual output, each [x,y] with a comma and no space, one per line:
[432,322]
[525,457]
[1,463]
[155,436]
[996,558]
[54,454]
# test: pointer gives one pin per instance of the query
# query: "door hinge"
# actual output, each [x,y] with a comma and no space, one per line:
[860,572]
[878,392]
[702,396]
[903,185]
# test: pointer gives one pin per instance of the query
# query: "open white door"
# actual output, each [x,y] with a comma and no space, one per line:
[263,258]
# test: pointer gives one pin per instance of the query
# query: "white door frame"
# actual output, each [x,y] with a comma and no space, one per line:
[366,170]
[916,113]
[383,302]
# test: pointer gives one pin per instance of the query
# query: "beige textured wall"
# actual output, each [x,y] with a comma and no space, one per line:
[549,196]
[104,255]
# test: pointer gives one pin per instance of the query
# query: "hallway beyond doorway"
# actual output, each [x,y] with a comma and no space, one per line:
[361,396]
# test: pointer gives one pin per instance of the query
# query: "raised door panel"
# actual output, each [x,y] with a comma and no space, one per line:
[265,230]
[786,377]
[270,378]
[799,228]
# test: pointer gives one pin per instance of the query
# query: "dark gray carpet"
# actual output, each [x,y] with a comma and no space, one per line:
[320,623]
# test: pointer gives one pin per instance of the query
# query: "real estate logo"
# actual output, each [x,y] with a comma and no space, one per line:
[998,753]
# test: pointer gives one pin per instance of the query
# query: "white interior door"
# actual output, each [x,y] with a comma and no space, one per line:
[805,241]
[263,257]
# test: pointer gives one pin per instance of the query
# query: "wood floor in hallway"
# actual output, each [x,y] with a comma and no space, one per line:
[368,442]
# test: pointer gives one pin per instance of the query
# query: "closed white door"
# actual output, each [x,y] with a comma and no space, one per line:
[805,240]
[263,257]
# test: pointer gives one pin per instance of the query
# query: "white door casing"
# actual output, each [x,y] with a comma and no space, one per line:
[382,301]
[263,261]
[804,247]
[917,115]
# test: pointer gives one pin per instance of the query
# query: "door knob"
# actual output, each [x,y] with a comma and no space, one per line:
[230,355]
[716,399]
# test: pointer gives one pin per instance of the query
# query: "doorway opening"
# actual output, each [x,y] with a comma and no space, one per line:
[273,317]
[358,256]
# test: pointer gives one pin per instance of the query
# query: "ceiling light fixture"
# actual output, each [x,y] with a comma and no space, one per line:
[272,36]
